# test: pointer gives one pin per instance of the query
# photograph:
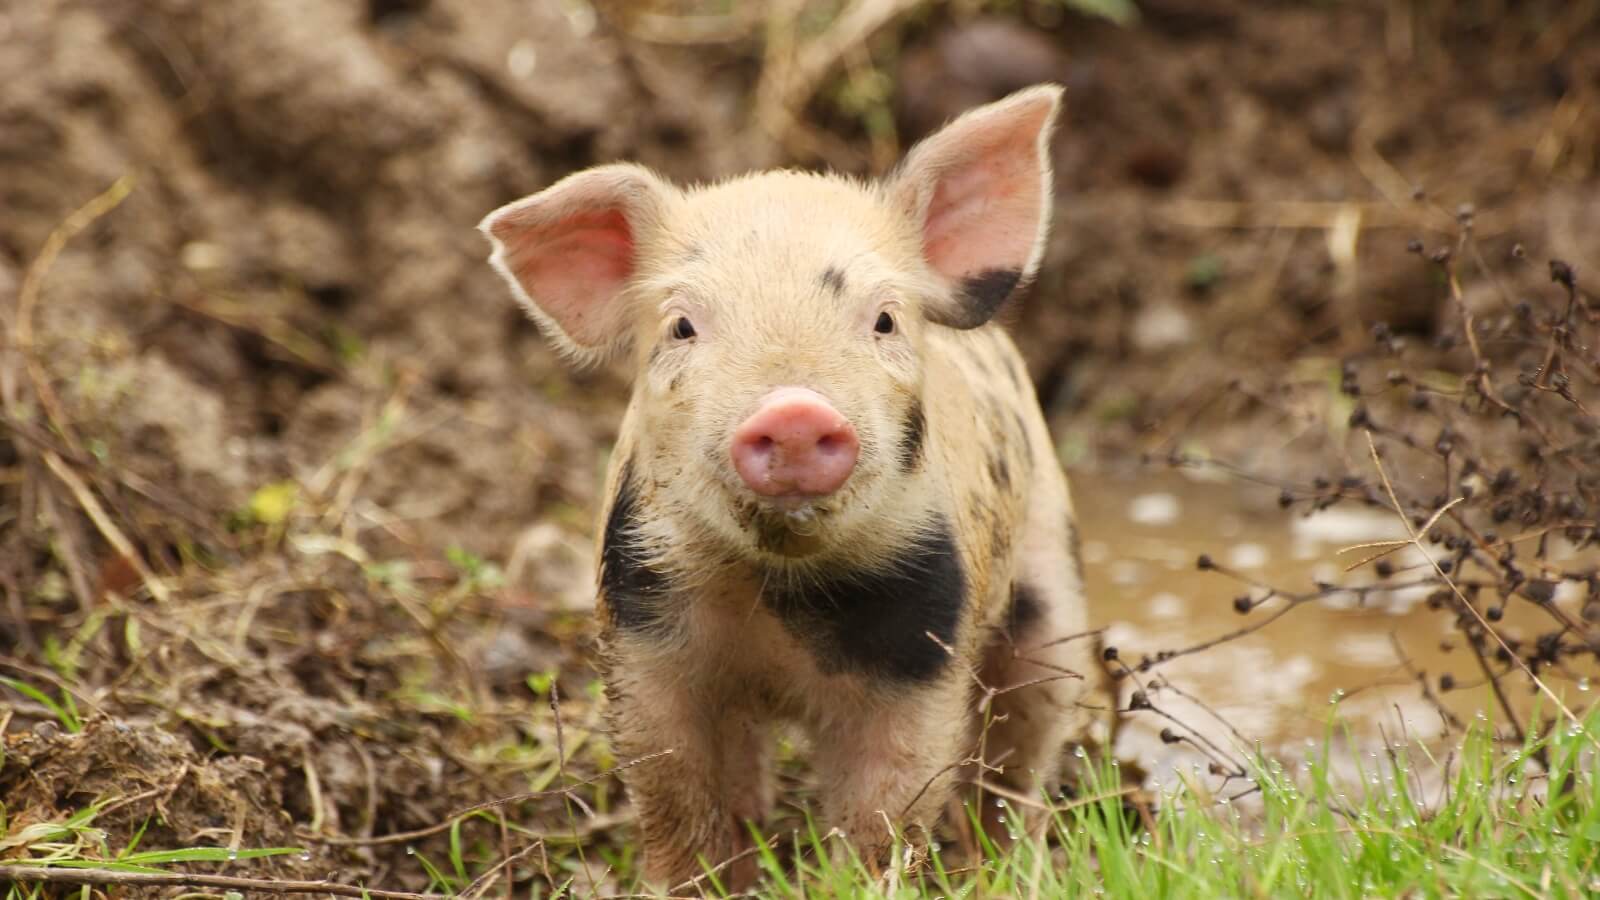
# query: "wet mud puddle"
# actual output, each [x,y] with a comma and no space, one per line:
[1355,655]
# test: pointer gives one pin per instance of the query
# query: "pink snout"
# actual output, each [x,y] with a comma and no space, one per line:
[795,444]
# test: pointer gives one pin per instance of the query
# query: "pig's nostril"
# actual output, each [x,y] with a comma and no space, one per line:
[834,444]
[765,442]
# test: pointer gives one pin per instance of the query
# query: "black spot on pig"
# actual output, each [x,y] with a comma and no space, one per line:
[1025,612]
[1000,471]
[634,590]
[979,298]
[833,280]
[914,431]
[999,538]
[876,621]
[392,12]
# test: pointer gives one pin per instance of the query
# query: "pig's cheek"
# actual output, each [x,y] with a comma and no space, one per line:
[898,359]
[666,377]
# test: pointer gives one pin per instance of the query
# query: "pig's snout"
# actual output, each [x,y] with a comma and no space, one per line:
[795,444]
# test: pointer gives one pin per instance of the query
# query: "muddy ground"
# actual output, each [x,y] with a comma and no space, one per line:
[295,503]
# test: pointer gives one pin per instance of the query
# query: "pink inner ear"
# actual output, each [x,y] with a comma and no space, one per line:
[573,267]
[984,214]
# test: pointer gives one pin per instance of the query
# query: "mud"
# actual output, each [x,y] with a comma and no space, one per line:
[1357,654]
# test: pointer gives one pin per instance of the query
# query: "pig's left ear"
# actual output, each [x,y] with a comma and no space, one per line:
[980,192]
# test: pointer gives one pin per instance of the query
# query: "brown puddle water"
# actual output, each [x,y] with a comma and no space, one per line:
[1278,686]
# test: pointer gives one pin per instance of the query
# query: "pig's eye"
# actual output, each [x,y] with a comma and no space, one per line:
[682,329]
[885,324]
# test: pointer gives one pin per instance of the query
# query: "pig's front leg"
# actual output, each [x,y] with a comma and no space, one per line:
[695,801]
[891,764]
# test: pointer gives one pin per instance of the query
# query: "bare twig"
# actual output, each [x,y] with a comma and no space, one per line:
[403,836]
[108,529]
[1445,715]
[1467,605]
[481,885]
[44,875]
[1167,685]
[33,280]
[746,853]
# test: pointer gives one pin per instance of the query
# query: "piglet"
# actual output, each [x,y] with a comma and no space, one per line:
[833,503]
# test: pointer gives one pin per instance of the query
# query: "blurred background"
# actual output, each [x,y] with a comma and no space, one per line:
[295,495]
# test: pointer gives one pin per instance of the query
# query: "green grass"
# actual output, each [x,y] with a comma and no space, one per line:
[1496,832]
[65,711]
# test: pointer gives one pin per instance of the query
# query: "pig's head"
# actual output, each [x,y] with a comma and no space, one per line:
[781,323]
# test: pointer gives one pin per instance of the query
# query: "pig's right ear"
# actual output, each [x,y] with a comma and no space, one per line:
[979,193]
[570,253]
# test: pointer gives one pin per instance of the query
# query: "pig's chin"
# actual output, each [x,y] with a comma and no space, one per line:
[789,526]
